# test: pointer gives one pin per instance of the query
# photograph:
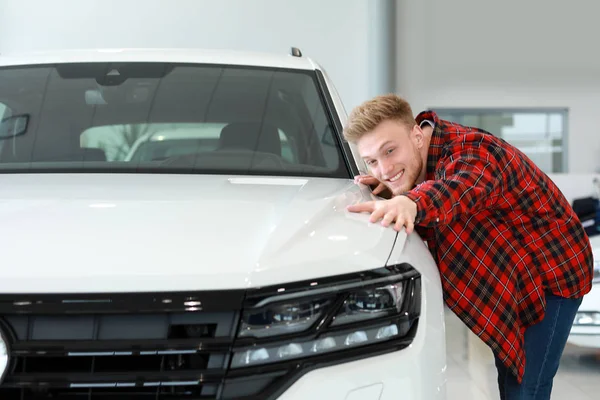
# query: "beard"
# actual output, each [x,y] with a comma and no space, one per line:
[411,175]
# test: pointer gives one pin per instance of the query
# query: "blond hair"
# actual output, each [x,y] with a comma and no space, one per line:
[365,117]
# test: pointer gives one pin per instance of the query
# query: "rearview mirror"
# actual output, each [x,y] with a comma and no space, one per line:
[13,126]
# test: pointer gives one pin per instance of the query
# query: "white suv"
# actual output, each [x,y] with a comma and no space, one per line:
[216,262]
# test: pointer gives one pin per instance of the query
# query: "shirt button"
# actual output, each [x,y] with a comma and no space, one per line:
[437,220]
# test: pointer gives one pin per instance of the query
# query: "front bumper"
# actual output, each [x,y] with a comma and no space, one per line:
[177,346]
[416,372]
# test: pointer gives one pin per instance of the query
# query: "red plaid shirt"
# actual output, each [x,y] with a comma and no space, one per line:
[502,234]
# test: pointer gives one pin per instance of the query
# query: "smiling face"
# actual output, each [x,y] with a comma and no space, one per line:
[390,141]
[394,154]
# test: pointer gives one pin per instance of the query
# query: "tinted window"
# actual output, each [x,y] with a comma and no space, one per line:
[145,117]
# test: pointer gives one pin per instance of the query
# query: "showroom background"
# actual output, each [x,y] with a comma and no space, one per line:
[438,54]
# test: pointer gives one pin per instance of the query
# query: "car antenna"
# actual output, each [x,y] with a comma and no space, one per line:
[296,52]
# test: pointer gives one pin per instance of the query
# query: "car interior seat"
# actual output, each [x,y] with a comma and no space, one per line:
[253,136]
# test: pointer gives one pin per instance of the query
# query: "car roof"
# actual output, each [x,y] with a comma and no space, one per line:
[180,55]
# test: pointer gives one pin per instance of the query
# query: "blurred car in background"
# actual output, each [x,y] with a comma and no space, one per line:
[586,326]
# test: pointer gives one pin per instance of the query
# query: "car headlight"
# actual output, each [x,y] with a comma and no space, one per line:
[282,318]
[4,353]
[310,319]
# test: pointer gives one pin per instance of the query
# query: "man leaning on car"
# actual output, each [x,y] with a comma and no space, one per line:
[514,258]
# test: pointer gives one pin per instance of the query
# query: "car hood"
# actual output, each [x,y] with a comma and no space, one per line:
[134,232]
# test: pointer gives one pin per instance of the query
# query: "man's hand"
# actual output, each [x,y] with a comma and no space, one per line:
[400,209]
[371,181]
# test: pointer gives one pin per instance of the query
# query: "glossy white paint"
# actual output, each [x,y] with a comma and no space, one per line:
[142,232]
[120,232]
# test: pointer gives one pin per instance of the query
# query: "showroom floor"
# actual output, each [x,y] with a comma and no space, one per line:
[472,375]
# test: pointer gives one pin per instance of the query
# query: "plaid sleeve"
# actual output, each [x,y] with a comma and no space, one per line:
[468,178]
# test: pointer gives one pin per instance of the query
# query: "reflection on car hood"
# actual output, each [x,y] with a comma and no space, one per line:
[127,232]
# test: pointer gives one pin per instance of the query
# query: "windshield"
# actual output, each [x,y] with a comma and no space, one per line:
[165,117]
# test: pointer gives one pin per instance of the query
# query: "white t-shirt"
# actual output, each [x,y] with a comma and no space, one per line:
[426,121]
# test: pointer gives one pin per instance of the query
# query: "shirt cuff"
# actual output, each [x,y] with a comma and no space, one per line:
[422,217]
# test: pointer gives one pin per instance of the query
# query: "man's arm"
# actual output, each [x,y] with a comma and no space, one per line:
[470,181]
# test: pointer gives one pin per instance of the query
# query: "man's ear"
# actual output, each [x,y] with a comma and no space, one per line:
[418,136]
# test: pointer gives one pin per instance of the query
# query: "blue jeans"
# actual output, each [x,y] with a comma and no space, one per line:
[544,345]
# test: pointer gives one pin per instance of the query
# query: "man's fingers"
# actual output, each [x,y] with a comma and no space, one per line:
[410,226]
[368,206]
[366,179]
[399,224]
[377,214]
[389,213]
[380,188]
[388,219]
[377,187]
[404,221]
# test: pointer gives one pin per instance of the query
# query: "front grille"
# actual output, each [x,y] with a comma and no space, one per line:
[151,347]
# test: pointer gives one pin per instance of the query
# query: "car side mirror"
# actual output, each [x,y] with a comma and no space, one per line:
[13,126]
